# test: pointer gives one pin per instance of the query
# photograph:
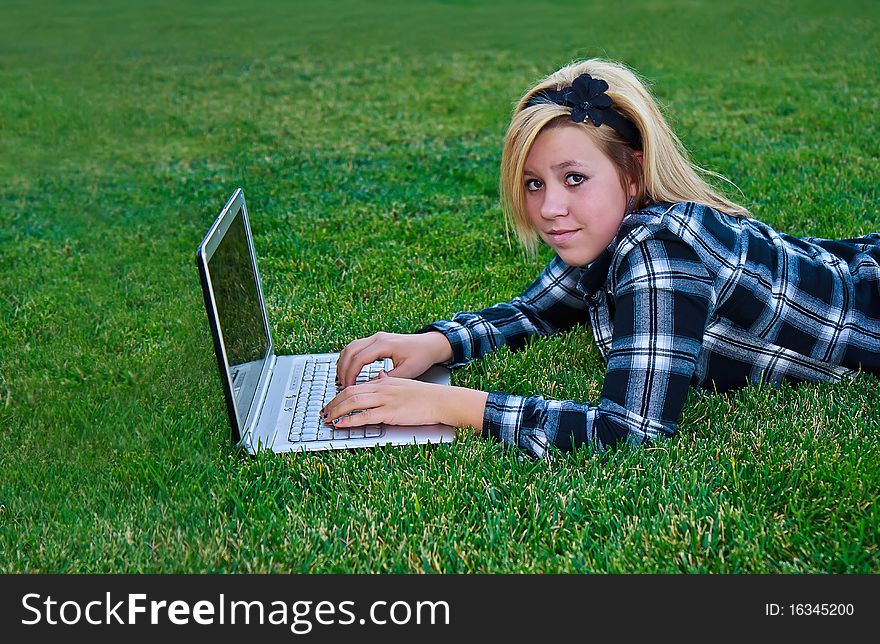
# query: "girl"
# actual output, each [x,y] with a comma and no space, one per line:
[678,284]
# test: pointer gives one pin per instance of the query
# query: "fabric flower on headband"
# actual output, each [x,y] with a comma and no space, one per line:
[587,98]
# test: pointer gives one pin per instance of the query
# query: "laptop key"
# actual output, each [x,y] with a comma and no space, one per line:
[316,389]
[371,431]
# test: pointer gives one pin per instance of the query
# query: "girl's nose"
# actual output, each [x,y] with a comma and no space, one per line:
[554,204]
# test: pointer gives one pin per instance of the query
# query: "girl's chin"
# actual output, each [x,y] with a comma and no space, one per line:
[575,256]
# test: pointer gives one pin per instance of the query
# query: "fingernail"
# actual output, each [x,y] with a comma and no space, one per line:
[335,420]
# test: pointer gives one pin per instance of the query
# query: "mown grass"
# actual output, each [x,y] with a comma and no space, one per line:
[367,138]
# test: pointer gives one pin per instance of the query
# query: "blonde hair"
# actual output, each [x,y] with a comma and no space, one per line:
[664,174]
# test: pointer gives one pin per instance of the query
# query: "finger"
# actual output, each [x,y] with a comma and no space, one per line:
[345,356]
[372,349]
[400,371]
[366,356]
[353,358]
[352,399]
[410,369]
[366,417]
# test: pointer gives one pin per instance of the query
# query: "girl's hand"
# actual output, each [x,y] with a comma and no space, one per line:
[400,401]
[412,354]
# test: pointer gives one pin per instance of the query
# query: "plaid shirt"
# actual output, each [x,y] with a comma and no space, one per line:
[685,295]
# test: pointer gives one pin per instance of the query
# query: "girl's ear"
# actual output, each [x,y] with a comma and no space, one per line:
[634,182]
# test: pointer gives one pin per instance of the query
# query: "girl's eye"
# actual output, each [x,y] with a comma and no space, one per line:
[533,184]
[574,179]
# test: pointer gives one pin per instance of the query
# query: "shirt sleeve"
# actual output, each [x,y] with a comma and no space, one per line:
[662,297]
[552,303]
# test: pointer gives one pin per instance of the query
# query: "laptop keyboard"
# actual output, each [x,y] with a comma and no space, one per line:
[316,389]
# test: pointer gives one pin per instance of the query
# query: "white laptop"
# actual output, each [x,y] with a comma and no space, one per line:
[274,402]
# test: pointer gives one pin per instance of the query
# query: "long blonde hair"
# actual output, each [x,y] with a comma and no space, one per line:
[664,174]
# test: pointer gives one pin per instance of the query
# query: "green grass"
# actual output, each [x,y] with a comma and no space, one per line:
[367,137]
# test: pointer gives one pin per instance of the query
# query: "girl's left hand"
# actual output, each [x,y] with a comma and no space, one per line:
[392,401]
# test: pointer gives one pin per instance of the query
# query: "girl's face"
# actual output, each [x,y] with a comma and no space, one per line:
[574,196]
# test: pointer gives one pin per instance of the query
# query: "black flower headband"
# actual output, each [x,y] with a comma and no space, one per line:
[587,98]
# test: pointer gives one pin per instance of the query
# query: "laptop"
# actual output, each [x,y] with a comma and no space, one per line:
[274,402]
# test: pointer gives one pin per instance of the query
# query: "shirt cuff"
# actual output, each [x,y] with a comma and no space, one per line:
[517,422]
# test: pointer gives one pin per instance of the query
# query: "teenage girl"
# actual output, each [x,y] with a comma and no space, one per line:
[679,285]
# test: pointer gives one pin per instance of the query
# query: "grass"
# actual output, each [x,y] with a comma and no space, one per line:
[368,141]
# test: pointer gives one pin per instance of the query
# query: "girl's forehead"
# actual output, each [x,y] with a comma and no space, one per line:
[562,144]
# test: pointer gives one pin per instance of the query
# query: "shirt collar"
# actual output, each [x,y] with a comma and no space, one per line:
[595,274]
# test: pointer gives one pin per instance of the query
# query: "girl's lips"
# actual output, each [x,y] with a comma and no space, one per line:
[561,236]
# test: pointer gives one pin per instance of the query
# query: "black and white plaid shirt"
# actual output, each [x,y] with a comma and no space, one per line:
[685,295]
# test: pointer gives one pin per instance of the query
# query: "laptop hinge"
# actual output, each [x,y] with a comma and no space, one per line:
[260,401]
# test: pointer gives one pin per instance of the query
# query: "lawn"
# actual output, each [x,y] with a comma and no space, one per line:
[367,139]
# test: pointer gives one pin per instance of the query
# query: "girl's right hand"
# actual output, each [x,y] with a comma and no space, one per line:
[412,354]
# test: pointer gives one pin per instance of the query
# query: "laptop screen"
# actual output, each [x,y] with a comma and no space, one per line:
[240,313]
